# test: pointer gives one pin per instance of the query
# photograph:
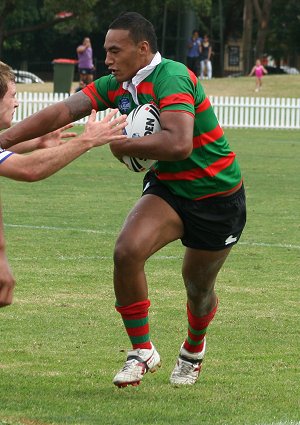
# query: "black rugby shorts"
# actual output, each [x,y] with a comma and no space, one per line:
[212,223]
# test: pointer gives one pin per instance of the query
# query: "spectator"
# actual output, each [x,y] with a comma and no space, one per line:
[206,51]
[80,87]
[193,54]
[85,61]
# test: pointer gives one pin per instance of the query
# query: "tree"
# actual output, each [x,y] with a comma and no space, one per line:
[247,35]
[276,24]
[266,27]
[262,13]
[33,28]
[262,9]
[36,31]
[18,17]
[284,35]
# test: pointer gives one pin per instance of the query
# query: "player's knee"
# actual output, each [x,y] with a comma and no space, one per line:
[200,288]
[126,252]
[195,289]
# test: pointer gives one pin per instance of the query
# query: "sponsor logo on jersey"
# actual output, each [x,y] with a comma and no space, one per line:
[124,105]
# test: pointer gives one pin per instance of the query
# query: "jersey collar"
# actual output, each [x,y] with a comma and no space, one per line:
[131,85]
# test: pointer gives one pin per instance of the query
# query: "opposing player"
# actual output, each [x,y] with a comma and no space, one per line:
[194,192]
[43,162]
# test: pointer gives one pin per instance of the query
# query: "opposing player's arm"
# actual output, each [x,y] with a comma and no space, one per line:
[7,281]
[174,142]
[49,140]
[43,163]
[49,119]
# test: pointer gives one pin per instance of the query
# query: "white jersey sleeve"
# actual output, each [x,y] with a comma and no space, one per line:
[4,155]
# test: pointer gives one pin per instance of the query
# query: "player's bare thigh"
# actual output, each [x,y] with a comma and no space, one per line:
[150,225]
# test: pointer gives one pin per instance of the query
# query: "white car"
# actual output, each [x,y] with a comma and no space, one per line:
[289,70]
[26,77]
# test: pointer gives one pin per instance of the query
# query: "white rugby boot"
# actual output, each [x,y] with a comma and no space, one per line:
[138,363]
[188,367]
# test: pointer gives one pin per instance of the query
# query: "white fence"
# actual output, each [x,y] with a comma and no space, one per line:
[232,112]
[257,112]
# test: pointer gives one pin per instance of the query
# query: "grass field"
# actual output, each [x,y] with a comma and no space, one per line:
[273,86]
[62,342]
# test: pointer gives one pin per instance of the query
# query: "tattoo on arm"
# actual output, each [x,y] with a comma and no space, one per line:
[79,106]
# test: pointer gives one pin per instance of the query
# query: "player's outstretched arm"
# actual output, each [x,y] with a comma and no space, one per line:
[50,140]
[7,281]
[43,163]
[47,120]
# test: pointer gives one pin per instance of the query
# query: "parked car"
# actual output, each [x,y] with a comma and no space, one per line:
[274,69]
[26,77]
[281,70]
[290,70]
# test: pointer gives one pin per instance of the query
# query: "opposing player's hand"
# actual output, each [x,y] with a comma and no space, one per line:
[101,132]
[55,138]
[7,281]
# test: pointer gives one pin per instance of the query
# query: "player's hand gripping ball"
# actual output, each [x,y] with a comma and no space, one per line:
[142,121]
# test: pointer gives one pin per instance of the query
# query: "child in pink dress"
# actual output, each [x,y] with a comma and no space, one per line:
[259,70]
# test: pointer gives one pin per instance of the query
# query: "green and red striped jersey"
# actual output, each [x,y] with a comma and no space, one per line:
[212,168]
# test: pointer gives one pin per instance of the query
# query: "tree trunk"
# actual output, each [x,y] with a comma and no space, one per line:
[221,36]
[263,17]
[247,36]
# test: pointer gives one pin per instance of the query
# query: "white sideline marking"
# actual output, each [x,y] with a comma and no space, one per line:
[59,229]
[105,232]
[271,245]
[92,257]
[283,423]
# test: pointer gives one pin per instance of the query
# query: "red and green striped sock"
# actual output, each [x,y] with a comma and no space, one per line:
[197,330]
[135,318]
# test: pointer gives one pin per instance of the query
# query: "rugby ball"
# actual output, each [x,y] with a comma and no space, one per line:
[142,121]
